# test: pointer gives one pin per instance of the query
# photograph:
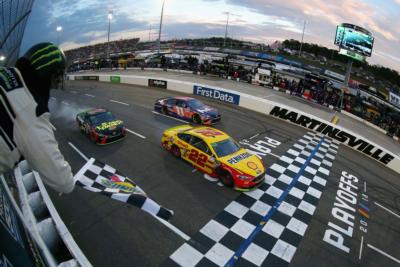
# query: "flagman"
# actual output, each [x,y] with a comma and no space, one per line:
[25,129]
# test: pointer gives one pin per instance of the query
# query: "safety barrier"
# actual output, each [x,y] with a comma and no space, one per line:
[268,107]
[43,222]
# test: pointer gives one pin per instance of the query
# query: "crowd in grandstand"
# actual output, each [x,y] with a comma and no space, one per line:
[100,50]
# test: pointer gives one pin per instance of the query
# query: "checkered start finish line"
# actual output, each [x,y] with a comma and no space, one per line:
[264,227]
[98,177]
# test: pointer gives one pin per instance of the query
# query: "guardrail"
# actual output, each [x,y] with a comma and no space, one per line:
[43,222]
[264,106]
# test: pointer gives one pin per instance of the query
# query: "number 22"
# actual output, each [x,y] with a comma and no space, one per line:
[197,157]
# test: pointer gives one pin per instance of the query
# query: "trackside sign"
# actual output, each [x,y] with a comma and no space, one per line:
[157,83]
[115,79]
[337,134]
[216,94]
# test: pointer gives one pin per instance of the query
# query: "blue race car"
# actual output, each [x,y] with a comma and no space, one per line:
[187,108]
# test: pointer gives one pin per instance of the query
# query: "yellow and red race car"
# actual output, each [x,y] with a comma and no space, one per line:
[215,153]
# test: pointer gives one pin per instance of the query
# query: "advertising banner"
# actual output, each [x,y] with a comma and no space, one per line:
[394,99]
[87,78]
[115,79]
[360,144]
[216,94]
[157,83]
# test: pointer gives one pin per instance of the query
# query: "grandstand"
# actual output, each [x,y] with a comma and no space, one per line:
[14,15]
[99,50]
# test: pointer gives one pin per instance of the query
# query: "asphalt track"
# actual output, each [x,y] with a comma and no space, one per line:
[111,233]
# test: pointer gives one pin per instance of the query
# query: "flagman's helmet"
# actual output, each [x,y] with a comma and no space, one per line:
[48,62]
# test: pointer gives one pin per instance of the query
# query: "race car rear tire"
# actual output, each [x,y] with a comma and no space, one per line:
[176,151]
[226,179]
[196,119]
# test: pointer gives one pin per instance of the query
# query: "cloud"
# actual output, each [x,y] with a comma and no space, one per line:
[85,21]
[317,11]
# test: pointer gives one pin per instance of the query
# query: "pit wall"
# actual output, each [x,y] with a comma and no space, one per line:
[264,106]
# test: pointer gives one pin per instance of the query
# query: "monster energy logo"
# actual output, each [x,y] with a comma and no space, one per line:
[9,79]
[46,56]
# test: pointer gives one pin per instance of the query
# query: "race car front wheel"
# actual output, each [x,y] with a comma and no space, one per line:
[164,110]
[176,151]
[226,179]
[196,119]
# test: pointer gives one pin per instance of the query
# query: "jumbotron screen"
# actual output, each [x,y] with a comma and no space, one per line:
[354,38]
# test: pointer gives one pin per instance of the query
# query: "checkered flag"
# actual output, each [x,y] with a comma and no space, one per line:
[101,178]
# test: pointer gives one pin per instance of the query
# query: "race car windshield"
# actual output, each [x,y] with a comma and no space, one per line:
[225,147]
[102,117]
[196,104]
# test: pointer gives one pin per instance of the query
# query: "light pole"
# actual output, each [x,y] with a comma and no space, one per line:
[149,32]
[110,16]
[58,29]
[226,26]
[302,38]
[159,31]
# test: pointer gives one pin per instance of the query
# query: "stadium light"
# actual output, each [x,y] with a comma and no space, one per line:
[110,17]
[159,31]
[227,24]
[2,58]
[226,27]
[302,37]
[58,29]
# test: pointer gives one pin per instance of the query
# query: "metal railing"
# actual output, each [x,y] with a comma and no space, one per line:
[40,218]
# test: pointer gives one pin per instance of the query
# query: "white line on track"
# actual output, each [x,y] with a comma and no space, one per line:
[272,154]
[365,186]
[53,98]
[78,151]
[65,103]
[157,113]
[173,228]
[135,133]
[89,95]
[209,178]
[388,210]
[361,247]
[383,253]
[267,96]
[119,102]
[254,136]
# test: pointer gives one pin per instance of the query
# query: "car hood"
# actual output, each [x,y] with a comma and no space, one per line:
[245,162]
[207,110]
[105,127]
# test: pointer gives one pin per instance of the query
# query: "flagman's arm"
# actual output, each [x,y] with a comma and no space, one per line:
[36,141]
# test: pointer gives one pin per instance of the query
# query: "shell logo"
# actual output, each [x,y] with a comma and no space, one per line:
[252,165]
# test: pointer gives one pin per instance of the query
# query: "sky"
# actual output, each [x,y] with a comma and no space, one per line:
[85,21]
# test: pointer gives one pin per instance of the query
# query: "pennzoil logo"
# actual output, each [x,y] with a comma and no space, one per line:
[239,158]
[108,125]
